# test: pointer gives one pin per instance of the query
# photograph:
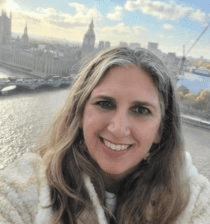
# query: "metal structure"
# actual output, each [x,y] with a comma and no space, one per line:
[182,63]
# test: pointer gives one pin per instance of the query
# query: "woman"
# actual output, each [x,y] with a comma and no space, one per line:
[115,153]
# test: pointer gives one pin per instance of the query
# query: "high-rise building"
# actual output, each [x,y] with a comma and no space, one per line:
[89,39]
[5,28]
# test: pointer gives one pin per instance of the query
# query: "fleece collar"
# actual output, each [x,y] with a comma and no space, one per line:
[95,200]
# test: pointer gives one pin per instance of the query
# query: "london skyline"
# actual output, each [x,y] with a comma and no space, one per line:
[172,24]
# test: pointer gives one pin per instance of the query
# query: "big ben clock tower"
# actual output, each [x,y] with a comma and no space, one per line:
[89,39]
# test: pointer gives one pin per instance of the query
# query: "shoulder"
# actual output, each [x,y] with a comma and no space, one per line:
[197,210]
[200,199]
[23,189]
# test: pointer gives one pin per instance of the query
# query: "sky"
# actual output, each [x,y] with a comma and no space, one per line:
[170,23]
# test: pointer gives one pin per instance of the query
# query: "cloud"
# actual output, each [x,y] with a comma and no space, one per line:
[198,15]
[165,10]
[9,5]
[116,14]
[83,13]
[122,32]
[122,28]
[168,27]
[54,19]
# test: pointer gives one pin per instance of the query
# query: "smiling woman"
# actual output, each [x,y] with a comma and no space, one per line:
[114,155]
[122,114]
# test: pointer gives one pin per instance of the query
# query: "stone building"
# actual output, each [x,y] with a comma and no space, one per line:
[5,28]
[88,44]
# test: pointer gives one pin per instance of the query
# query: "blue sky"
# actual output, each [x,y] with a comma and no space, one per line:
[171,23]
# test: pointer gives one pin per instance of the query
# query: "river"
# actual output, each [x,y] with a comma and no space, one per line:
[194,82]
[23,119]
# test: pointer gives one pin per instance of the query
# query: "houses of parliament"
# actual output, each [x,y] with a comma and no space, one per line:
[43,60]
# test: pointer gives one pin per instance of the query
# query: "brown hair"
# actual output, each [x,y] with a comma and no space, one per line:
[155,191]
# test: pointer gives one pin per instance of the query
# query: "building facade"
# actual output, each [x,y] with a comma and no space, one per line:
[88,44]
[5,28]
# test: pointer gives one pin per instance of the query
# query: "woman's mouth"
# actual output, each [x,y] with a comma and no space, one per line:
[115,147]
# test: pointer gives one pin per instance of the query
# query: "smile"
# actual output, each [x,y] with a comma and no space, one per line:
[115,147]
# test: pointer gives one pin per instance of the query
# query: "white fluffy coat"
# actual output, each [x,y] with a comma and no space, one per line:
[24,195]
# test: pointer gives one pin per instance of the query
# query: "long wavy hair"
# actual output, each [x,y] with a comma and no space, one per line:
[155,192]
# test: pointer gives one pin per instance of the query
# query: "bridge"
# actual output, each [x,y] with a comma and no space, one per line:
[7,85]
[201,72]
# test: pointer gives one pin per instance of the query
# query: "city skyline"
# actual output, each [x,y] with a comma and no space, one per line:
[172,24]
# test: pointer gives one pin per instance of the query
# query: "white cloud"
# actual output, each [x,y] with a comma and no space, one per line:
[122,28]
[40,18]
[122,33]
[50,22]
[83,14]
[168,27]
[165,10]
[198,15]
[116,14]
[9,5]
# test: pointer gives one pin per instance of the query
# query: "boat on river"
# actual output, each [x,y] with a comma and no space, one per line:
[8,89]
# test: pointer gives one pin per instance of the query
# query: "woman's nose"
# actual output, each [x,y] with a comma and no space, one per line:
[119,125]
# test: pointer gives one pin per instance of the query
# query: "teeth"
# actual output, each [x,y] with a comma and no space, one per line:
[115,147]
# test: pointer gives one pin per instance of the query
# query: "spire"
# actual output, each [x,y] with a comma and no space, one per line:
[24,38]
[89,39]
[91,26]
[26,30]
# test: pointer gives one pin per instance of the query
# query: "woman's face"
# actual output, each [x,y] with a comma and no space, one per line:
[121,120]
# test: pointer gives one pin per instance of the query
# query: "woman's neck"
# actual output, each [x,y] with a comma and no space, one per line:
[112,183]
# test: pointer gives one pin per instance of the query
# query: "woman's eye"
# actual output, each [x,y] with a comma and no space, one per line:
[141,110]
[105,104]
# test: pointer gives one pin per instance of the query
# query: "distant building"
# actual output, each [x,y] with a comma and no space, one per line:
[107,44]
[24,38]
[134,45]
[89,40]
[5,28]
[171,61]
[101,45]
[104,45]
[123,44]
[152,46]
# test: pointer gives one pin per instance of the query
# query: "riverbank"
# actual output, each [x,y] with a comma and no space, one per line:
[195,121]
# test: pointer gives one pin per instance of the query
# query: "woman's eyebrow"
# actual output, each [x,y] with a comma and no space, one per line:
[144,103]
[103,97]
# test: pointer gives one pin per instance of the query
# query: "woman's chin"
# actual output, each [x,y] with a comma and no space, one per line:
[115,174]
